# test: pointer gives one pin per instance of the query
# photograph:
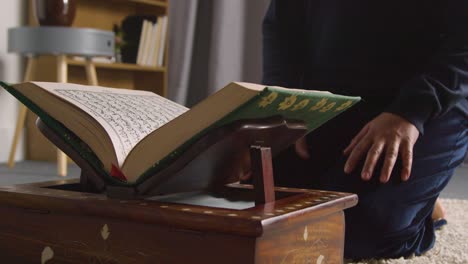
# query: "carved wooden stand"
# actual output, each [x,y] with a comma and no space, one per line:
[219,156]
[86,221]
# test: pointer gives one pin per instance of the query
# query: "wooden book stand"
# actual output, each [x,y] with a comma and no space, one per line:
[220,157]
[189,212]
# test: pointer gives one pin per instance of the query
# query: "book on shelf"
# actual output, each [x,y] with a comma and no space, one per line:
[152,42]
[129,135]
[153,58]
[142,42]
[132,36]
[146,42]
[162,45]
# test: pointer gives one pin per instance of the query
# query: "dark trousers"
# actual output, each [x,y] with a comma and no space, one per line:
[392,219]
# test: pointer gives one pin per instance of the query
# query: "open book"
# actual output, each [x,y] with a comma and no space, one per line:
[130,134]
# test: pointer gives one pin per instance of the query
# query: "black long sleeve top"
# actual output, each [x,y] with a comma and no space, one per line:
[410,54]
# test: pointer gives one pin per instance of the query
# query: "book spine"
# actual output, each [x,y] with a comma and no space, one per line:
[152,43]
[157,42]
[162,48]
[141,45]
[146,47]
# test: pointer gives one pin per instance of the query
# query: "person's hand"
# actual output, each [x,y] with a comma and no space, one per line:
[387,135]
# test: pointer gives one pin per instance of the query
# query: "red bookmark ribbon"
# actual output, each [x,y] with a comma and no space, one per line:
[117,173]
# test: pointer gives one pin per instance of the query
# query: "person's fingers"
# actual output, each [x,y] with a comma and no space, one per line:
[391,155]
[373,156]
[406,152]
[301,148]
[356,140]
[356,155]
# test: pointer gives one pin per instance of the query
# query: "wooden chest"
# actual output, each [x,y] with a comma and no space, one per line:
[53,222]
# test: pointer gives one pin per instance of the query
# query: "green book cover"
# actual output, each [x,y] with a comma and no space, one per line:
[313,107]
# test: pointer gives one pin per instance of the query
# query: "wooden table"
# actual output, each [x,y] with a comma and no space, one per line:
[54,222]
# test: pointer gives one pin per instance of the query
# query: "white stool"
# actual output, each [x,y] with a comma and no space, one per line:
[60,42]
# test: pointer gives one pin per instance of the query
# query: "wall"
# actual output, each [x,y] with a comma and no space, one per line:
[12,13]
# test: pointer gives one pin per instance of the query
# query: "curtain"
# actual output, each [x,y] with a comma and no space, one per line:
[212,43]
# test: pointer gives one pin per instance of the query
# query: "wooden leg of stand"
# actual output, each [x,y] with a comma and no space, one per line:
[62,163]
[21,116]
[91,72]
[262,173]
[62,76]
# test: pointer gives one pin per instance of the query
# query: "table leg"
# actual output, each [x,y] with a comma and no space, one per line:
[62,76]
[91,72]
[21,116]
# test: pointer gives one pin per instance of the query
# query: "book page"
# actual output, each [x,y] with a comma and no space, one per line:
[127,115]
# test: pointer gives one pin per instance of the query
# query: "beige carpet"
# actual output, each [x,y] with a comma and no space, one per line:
[451,246]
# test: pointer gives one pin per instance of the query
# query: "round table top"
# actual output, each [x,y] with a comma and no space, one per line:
[44,40]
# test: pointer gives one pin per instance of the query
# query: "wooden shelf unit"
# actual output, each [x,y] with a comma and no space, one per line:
[99,14]
[117,66]
[151,2]
[103,14]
